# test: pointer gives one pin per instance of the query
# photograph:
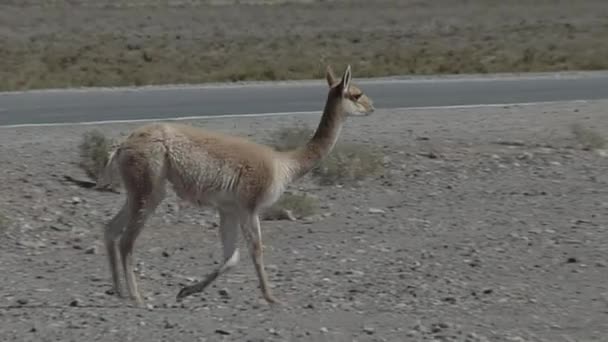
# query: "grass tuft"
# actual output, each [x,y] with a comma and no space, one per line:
[587,138]
[94,151]
[347,163]
[299,205]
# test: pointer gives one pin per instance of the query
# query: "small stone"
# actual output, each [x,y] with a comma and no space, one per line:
[60,227]
[450,300]
[31,244]
[76,200]
[222,332]
[169,324]
[224,293]
[22,301]
[376,211]
[488,291]
[324,330]
[75,303]
[166,254]
[92,250]
[369,330]
[571,260]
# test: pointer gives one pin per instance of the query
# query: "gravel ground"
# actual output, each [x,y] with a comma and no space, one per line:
[488,225]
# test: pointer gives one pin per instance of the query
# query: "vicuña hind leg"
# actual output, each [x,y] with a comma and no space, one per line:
[111,234]
[229,229]
[145,184]
[137,219]
[253,234]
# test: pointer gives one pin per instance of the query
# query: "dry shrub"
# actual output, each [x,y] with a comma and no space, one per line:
[289,138]
[94,152]
[299,205]
[588,138]
[4,222]
[347,163]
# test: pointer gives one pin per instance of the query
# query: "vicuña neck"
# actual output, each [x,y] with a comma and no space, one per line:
[320,145]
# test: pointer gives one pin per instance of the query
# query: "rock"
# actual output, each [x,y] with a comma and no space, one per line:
[92,250]
[76,302]
[22,301]
[166,254]
[324,330]
[169,324]
[222,332]
[76,200]
[224,293]
[31,244]
[376,211]
[60,227]
[571,260]
[369,330]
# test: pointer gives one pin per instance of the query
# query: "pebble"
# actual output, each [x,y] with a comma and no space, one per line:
[376,211]
[224,293]
[222,332]
[169,324]
[92,250]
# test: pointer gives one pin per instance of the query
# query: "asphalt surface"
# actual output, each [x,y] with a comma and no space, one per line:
[90,105]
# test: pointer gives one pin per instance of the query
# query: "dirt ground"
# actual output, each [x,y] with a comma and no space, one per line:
[65,43]
[489,224]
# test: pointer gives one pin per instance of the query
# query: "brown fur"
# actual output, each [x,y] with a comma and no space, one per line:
[234,175]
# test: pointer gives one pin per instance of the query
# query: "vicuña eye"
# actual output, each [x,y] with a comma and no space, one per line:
[357,96]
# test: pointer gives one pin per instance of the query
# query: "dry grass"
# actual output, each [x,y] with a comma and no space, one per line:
[94,151]
[140,42]
[347,163]
[300,205]
[288,138]
[4,222]
[588,138]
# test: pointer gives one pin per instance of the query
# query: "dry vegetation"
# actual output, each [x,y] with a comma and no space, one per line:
[143,42]
[4,221]
[293,206]
[94,152]
[347,163]
[588,138]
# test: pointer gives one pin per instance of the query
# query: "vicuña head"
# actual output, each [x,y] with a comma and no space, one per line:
[236,176]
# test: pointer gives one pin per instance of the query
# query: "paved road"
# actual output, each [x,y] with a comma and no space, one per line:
[166,102]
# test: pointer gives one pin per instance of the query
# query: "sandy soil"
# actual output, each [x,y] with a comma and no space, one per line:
[491,227]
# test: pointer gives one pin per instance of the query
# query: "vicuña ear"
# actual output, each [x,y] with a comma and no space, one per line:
[345,82]
[329,76]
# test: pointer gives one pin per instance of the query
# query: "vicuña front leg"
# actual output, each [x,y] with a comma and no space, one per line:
[253,234]
[229,233]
